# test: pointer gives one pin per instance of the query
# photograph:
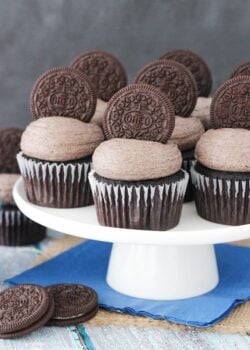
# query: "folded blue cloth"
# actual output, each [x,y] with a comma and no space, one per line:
[87,264]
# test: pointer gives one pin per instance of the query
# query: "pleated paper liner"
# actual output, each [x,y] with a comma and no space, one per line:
[238,321]
[18,230]
[153,204]
[222,197]
[56,184]
[187,164]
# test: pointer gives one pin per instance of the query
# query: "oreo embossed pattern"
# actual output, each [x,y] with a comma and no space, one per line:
[27,307]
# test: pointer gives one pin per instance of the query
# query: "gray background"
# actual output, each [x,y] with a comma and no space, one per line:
[37,35]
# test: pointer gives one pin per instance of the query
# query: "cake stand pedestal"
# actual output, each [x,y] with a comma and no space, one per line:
[160,265]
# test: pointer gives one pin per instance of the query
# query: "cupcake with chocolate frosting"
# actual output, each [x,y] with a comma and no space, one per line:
[15,228]
[56,159]
[137,181]
[187,132]
[138,184]
[222,174]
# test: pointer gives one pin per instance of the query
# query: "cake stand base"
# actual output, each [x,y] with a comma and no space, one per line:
[166,272]
[160,265]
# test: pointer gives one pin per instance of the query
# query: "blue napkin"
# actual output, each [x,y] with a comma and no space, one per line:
[87,264]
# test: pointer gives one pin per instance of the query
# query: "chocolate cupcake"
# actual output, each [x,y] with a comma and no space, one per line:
[15,228]
[137,181]
[222,173]
[138,184]
[202,111]
[56,159]
[187,132]
[222,176]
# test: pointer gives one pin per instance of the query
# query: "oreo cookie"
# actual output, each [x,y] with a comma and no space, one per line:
[9,147]
[175,80]
[74,303]
[139,111]
[23,309]
[63,92]
[197,67]
[104,71]
[243,69]
[231,104]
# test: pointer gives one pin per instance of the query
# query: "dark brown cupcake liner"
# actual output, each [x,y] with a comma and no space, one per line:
[18,230]
[222,199]
[56,184]
[149,205]
[187,164]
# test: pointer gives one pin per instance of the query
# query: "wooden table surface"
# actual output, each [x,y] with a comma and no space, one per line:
[16,260]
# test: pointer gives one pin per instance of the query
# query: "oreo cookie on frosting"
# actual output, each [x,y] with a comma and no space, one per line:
[105,72]
[63,92]
[230,107]
[139,111]
[175,80]
[197,67]
[243,69]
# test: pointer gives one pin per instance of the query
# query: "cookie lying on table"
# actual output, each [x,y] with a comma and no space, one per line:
[27,307]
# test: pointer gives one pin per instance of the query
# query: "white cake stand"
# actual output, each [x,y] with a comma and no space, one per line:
[175,264]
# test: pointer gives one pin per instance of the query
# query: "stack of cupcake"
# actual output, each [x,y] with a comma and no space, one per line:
[152,128]
[15,228]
